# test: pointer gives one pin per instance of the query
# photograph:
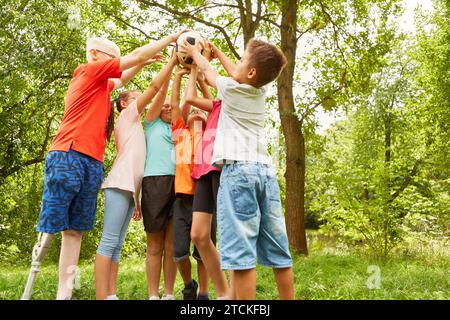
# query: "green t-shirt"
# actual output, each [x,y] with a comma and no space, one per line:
[160,159]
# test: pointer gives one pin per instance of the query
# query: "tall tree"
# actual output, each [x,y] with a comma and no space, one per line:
[333,24]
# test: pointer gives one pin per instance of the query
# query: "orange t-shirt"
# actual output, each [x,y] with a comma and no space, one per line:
[87,108]
[186,143]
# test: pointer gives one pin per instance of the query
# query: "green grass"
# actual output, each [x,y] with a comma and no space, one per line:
[324,274]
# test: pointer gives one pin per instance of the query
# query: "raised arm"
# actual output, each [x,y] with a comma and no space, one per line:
[204,88]
[144,53]
[154,110]
[202,63]
[158,86]
[227,63]
[130,73]
[175,98]
[185,108]
[191,96]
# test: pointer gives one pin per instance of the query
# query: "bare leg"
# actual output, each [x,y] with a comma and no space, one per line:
[201,236]
[185,270]
[170,268]
[113,278]
[68,261]
[102,276]
[245,284]
[155,245]
[284,278]
[202,278]
[232,286]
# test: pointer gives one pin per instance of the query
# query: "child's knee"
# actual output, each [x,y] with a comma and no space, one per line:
[199,237]
[72,234]
[155,248]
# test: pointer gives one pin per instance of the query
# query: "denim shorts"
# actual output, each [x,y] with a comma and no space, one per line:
[71,184]
[250,219]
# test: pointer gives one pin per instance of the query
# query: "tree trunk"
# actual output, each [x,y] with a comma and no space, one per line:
[293,135]
[248,23]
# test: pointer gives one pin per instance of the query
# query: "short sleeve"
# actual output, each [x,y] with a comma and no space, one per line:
[177,128]
[131,113]
[223,84]
[149,124]
[216,104]
[111,85]
[104,69]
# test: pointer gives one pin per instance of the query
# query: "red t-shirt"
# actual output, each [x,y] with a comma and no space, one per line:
[87,108]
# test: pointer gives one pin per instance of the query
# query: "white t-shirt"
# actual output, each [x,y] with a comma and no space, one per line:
[240,131]
[128,168]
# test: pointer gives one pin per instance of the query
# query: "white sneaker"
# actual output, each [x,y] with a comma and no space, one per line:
[112,297]
[153,298]
[168,297]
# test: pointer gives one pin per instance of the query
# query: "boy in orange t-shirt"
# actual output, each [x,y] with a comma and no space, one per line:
[187,130]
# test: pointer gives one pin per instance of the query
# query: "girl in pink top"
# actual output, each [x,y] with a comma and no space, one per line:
[123,184]
[203,230]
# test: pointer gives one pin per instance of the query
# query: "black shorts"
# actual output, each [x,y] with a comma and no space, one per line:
[205,197]
[158,196]
[182,223]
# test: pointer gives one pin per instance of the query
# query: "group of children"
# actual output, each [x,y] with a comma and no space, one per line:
[187,164]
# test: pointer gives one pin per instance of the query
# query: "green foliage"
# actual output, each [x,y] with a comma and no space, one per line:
[377,179]
[327,273]
[390,85]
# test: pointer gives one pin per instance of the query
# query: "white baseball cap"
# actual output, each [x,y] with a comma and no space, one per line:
[103,45]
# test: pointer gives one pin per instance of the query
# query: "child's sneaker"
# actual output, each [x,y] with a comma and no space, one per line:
[112,297]
[153,298]
[190,291]
[168,297]
[203,296]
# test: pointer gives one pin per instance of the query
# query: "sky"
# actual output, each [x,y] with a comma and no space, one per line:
[406,22]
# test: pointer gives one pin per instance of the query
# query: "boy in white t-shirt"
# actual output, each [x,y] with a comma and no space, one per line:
[249,214]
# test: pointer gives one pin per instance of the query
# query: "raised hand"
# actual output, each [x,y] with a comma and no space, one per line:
[182,71]
[157,57]
[188,48]
[209,52]
[175,36]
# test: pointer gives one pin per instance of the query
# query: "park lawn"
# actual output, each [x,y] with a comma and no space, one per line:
[321,275]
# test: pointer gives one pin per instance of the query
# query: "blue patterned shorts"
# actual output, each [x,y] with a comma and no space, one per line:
[71,184]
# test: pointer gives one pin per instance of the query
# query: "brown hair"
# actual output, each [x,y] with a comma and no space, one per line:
[267,59]
[123,96]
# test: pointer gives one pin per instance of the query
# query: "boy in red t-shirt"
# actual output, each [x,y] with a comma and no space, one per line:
[74,164]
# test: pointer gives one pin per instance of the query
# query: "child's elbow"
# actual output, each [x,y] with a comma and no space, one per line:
[154,87]
[189,100]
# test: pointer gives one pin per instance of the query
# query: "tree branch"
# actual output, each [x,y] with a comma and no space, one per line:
[178,13]
[408,180]
[335,31]
[325,98]
[7,170]
[105,9]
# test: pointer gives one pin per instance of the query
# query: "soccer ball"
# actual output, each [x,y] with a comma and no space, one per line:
[194,38]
